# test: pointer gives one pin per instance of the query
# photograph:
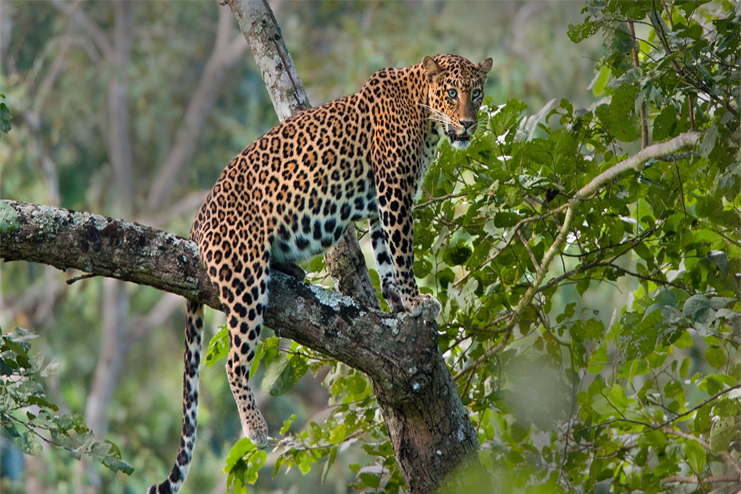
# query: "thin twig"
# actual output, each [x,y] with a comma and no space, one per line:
[437,199]
[82,277]
[529,250]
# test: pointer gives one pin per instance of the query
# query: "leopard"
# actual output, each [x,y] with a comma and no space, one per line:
[293,193]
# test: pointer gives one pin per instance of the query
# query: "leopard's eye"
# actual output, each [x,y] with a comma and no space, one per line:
[452,93]
[476,93]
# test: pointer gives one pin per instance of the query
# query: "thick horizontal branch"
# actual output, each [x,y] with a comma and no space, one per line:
[335,325]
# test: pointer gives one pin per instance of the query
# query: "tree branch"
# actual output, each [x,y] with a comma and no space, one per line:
[636,162]
[314,316]
[681,479]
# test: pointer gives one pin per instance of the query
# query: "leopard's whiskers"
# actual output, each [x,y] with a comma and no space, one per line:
[439,116]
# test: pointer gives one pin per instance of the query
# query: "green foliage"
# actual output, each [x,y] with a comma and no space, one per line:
[27,417]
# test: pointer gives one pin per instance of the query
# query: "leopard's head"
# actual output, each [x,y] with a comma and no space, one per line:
[456,90]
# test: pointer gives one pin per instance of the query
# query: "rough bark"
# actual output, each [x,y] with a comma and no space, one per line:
[258,25]
[427,423]
[346,266]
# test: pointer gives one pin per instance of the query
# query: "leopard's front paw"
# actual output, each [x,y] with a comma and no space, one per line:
[423,304]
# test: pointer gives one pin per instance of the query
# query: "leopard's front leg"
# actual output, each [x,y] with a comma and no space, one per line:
[385,266]
[393,243]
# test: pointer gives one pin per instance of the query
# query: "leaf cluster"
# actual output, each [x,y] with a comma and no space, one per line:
[28,417]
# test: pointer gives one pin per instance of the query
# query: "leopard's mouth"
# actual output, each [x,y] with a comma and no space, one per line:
[459,141]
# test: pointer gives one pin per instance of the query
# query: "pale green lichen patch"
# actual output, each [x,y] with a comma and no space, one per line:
[331,298]
[8,218]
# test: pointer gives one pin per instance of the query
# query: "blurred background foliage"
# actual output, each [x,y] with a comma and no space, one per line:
[550,404]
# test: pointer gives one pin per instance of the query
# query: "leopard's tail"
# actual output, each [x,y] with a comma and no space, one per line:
[192,358]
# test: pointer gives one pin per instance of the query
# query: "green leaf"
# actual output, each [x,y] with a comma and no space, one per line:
[255,461]
[11,430]
[274,379]
[708,141]
[716,357]
[116,464]
[617,397]
[506,219]
[457,255]
[241,448]
[579,32]
[8,218]
[696,307]
[598,360]
[619,117]
[445,277]
[4,118]
[582,285]
[720,259]
[36,400]
[5,369]
[26,442]
[599,83]
[722,433]
[370,480]
[218,347]
[665,124]
[695,455]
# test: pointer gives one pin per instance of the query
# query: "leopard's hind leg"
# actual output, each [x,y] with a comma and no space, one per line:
[238,262]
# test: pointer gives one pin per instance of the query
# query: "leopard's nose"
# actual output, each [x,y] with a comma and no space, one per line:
[467,123]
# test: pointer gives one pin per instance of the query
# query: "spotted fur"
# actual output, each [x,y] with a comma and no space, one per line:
[292,193]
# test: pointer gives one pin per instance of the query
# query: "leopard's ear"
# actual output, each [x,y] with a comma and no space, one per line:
[485,66]
[432,69]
